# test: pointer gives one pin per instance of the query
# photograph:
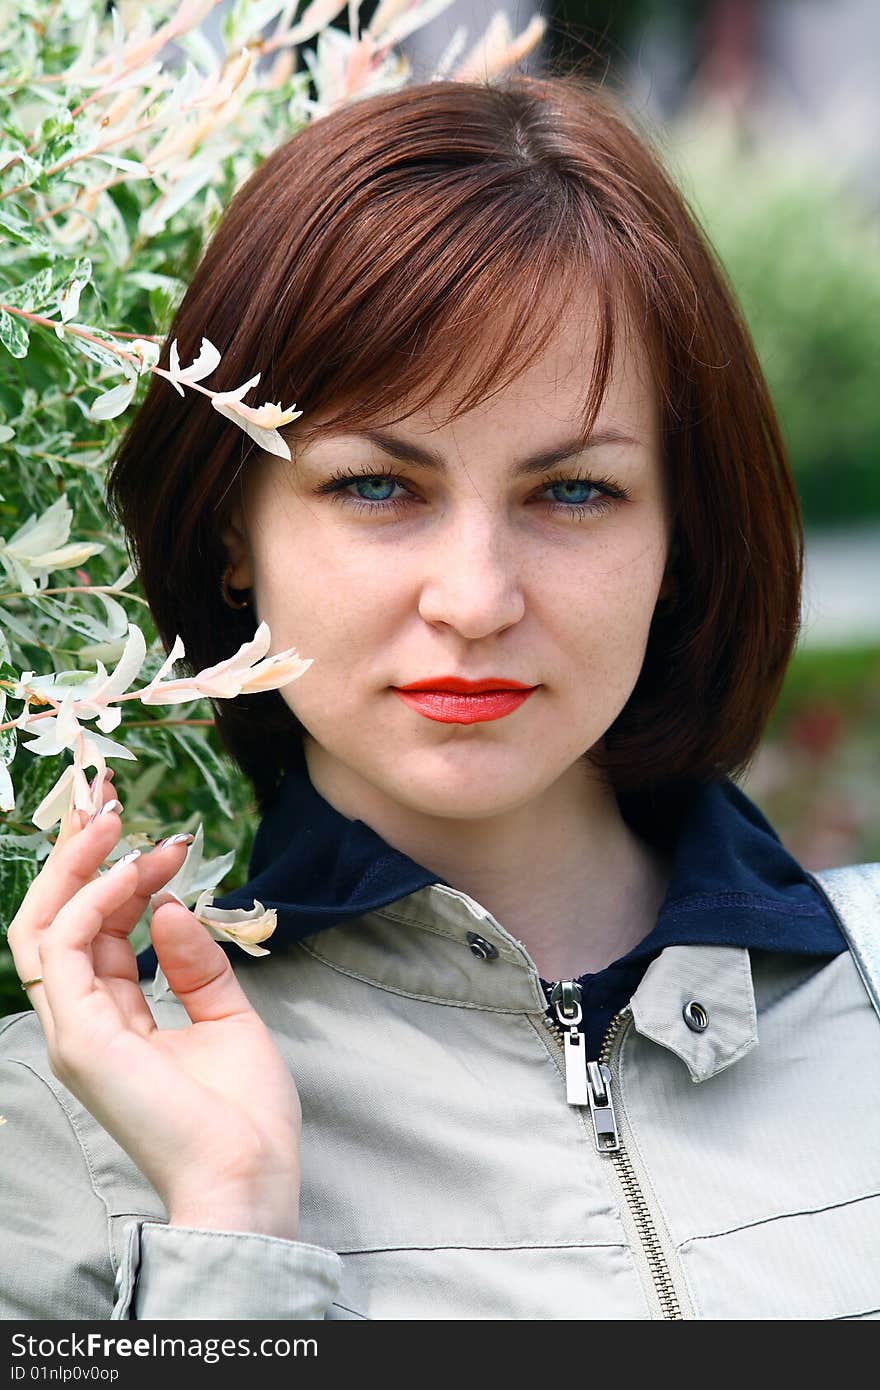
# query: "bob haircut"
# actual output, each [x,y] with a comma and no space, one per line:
[387,235]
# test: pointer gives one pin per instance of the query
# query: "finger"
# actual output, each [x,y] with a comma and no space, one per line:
[97,927]
[197,969]
[74,865]
[70,996]
[54,886]
[112,954]
[154,870]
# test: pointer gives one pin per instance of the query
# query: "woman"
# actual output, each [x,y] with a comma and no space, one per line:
[539,536]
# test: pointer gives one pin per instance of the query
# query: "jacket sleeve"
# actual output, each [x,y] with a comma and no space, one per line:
[70,1198]
[180,1272]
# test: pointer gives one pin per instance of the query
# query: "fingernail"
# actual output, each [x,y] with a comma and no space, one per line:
[181,839]
[108,806]
[126,859]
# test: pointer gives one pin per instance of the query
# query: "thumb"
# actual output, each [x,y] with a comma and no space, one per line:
[196,967]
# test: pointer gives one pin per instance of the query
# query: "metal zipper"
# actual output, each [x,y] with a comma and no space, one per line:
[589,1083]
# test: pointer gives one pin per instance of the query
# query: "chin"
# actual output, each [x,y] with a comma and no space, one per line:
[466,783]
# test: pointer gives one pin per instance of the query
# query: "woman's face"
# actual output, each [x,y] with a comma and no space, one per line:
[475,567]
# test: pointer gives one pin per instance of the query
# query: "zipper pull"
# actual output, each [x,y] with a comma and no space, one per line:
[602,1107]
[565,997]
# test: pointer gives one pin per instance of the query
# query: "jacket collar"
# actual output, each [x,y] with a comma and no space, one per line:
[733,887]
[732,882]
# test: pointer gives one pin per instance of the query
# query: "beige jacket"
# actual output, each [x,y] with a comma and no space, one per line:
[445,1175]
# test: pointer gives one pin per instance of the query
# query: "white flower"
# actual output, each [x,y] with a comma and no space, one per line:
[94,693]
[202,366]
[197,875]
[242,673]
[40,546]
[147,353]
[261,423]
[244,925]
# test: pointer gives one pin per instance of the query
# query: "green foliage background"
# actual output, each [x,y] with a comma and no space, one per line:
[802,249]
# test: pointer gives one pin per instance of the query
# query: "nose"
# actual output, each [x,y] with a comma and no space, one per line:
[472,579]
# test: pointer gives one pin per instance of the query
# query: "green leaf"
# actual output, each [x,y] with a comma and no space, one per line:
[18,869]
[95,351]
[8,737]
[213,768]
[34,294]
[14,334]
[73,618]
[16,226]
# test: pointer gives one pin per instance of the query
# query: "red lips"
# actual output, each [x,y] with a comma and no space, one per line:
[453,700]
[459,686]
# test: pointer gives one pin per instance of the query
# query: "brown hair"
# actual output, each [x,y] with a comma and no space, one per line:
[385,236]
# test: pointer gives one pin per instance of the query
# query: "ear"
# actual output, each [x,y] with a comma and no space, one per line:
[238,551]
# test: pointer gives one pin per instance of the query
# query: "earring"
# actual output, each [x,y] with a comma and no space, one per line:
[225,590]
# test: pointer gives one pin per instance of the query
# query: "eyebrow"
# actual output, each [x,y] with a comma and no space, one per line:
[407,452]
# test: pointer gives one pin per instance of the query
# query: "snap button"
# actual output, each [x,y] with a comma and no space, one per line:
[481,947]
[695,1016]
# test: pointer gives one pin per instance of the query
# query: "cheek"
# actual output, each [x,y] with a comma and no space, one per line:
[609,615]
[315,588]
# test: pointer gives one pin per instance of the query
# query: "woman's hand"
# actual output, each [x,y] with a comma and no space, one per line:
[208,1112]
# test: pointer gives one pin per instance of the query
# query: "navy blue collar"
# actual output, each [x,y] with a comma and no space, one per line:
[732,883]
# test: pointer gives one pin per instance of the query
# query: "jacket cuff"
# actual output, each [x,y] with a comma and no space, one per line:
[182,1272]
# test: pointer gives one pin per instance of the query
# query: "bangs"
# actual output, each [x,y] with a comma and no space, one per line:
[459,304]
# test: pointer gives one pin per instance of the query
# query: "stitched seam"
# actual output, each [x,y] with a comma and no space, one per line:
[503,951]
[346,1309]
[408,993]
[6,1023]
[781,1216]
[373,871]
[477,1249]
[405,921]
[85,1154]
[697,901]
[235,1235]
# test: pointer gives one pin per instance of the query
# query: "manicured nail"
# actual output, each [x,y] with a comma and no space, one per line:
[126,859]
[181,839]
[108,806]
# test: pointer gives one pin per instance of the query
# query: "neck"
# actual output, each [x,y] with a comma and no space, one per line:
[563,874]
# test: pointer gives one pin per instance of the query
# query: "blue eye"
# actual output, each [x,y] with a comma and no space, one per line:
[375,489]
[579,484]
[573,498]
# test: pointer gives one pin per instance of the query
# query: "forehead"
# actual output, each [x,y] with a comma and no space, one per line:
[545,402]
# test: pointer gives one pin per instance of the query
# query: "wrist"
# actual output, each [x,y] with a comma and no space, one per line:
[244,1220]
[264,1204]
